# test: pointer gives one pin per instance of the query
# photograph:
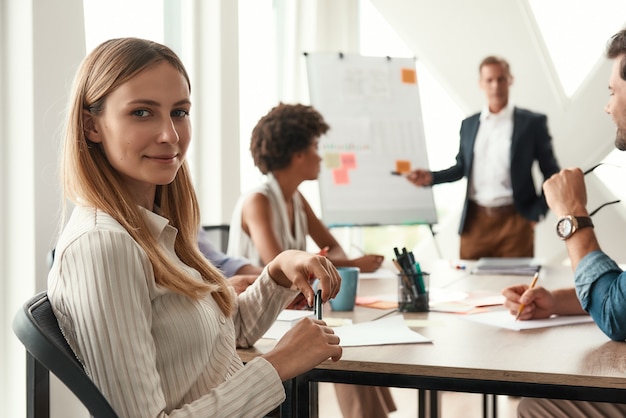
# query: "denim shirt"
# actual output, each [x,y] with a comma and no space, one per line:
[601,289]
[226,264]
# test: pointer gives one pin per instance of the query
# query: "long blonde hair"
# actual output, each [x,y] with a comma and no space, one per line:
[89,178]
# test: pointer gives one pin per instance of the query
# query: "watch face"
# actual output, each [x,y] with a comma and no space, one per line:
[564,227]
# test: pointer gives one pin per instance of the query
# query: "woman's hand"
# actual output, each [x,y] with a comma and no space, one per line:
[303,347]
[538,301]
[297,269]
[368,263]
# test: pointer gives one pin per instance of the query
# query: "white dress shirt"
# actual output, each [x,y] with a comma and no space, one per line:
[490,181]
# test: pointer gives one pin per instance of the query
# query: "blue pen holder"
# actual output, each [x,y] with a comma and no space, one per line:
[413,292]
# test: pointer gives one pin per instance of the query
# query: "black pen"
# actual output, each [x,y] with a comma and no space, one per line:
[318,304]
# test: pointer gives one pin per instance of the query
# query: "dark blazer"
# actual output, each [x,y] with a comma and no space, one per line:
[531,141]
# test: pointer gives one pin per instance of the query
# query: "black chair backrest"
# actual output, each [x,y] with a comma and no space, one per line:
[218,234]
[47,350]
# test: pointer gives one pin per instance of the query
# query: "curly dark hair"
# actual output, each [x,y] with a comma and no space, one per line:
[617,47]
[284,131]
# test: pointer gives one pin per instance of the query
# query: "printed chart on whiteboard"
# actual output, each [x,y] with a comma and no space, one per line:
[373,108]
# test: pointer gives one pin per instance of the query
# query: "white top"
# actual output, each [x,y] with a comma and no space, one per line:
[152,352]
[490,183]
[239,242]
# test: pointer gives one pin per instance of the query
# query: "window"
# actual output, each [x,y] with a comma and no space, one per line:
[574,32]
[258,90]
[442,119]
[117,18]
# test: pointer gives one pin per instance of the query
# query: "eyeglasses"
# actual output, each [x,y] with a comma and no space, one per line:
[607,203]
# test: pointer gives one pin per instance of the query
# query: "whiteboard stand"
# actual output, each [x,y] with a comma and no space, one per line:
[432,231]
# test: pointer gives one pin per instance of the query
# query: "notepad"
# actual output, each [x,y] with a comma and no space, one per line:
[285,320]
[517,266]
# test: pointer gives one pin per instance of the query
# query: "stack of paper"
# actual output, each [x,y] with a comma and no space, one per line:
[521,266]
[285,320]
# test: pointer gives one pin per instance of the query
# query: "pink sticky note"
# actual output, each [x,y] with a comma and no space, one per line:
[340,176]
[348,160]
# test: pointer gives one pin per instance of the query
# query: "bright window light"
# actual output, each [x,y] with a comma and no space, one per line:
[575,32]
[120,18]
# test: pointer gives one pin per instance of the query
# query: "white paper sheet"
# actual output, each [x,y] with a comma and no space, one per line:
[391,330]
[285,320]
[504,319]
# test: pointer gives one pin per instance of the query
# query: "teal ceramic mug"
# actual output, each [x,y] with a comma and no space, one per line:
[345,299]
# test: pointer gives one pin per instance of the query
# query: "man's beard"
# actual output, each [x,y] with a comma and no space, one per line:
[620,139]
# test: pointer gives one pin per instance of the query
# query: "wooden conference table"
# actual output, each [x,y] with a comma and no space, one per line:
[569,362]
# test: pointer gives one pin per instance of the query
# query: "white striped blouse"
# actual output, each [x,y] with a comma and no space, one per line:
[152,352]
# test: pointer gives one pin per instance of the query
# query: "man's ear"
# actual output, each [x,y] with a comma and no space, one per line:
[89,126]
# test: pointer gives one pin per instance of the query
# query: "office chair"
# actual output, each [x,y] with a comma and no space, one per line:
[47,351]
[218,235]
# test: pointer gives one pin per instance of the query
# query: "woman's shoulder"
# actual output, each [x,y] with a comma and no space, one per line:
[86,220]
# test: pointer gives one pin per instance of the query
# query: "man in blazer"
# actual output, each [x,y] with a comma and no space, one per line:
[497,150]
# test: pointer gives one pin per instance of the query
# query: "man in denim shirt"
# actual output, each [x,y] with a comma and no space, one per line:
[600,285]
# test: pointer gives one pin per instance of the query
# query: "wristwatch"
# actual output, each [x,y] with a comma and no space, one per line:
[567,225]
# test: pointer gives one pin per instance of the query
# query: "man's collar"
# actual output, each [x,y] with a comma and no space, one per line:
[507,111]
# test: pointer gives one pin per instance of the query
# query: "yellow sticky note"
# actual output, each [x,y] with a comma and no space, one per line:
[332,160]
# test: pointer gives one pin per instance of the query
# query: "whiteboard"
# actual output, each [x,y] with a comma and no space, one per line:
[372,106]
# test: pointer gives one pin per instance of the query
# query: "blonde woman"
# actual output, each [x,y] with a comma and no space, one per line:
[154,324]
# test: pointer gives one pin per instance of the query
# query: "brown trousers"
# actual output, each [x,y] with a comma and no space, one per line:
[496,232]
[557,408]
[359,401]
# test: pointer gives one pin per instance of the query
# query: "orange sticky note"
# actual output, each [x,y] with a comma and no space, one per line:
[403,166]
[340,176]
[409,76]
[348,160]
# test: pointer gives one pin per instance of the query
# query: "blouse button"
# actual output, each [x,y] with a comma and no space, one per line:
[222,319]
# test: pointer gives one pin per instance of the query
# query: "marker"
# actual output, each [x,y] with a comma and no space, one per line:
[532,284]
[419,276]
[458,266]
[318,304]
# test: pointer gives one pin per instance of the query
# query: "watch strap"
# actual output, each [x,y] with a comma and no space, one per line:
[584,221]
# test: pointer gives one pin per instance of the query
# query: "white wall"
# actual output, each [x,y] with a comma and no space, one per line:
[42,44]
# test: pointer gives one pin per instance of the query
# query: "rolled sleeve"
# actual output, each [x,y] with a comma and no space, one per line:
[601,289]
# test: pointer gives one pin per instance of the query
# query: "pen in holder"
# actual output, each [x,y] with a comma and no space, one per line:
[413,292]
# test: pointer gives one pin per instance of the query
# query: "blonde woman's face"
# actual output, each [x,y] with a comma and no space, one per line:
[145,129]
